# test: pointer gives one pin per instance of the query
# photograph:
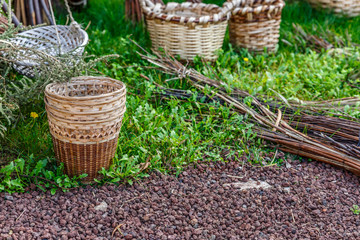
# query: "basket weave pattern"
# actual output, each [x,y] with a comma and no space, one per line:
[3,24]
[255,25]
[72,41]
[350,8]
[85,118]
[186,29]
[187,42]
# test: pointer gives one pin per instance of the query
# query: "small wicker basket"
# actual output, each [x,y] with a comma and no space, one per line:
[44,39]
[186,29]
[349,8]
[85,118]
[255,25]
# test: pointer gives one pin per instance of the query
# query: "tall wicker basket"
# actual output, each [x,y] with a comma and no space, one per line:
[349,8]
[255,25]
[85,117]
[187,29]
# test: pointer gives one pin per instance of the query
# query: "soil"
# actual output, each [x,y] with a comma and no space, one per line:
[304,200]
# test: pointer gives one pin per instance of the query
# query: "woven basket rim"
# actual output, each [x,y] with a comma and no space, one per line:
[56,109]
[84,79]
[157,11]
[74,44]
[81,103]
[83,33]
[244,6]
[73,123]
[3,19]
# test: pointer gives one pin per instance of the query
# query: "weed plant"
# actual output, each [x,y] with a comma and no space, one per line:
[167,135]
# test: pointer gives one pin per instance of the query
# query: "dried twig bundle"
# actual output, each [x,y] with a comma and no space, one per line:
[33,12]
[272,125]
[323,40]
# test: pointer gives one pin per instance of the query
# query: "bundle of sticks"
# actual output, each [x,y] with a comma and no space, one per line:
[308,134]
[33,12]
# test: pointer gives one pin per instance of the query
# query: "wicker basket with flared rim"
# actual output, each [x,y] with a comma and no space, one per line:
[348,8]
[255,24]
[186,29]
[85,117]
[72,42]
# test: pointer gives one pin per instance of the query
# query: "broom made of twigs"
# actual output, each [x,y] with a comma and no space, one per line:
[272,126]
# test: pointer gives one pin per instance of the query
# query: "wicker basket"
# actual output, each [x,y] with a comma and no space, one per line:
[255,25]
[73,41]
[85,118]
[186,29]
[349,8]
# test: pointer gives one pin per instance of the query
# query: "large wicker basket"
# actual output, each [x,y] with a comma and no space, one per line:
[187,29]
[44,39]
[255,25]
[85,118]
[349,8]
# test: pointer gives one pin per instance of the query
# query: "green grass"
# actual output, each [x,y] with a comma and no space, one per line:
[171,134]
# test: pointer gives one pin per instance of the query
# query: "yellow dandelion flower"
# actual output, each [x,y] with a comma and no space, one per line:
[246,59]
[34,115]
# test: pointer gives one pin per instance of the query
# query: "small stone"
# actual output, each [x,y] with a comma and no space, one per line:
[317,212]
[8,197]
[194,221]
[197,231]
[101,207]
[128,237]
[146,217]
[62,222]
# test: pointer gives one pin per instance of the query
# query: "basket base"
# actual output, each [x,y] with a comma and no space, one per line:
[85,158]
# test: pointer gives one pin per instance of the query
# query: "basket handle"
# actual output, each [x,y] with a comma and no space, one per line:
[149,6]
[73,23]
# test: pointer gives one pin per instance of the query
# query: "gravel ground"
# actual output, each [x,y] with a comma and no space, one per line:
[301,201]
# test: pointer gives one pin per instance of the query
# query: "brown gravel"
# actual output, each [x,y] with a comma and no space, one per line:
[305,201]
